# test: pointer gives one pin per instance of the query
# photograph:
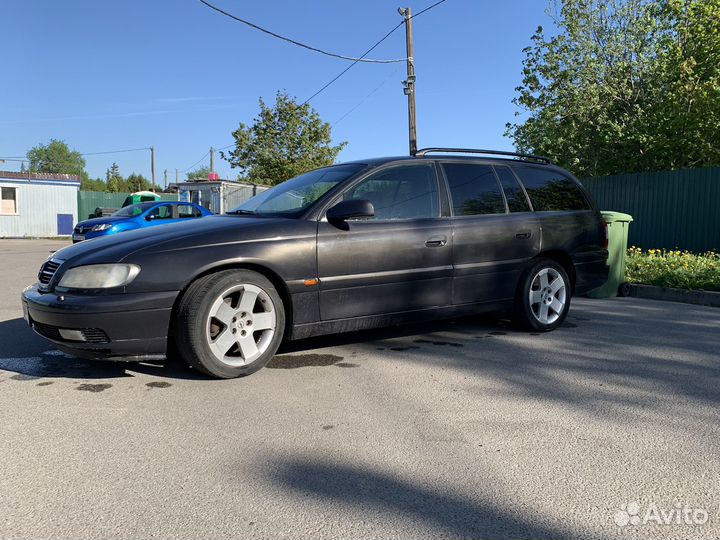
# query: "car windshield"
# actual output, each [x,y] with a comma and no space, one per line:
[134,209]
[292,197]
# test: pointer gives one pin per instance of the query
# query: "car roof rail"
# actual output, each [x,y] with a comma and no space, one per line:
[423,151]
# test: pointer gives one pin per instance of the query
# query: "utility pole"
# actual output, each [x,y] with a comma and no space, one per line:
[409,84]
[212,159]
[152,166]
[177,177]
[165,183]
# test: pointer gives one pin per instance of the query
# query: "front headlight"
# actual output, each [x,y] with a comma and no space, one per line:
[99,276]
[101,227]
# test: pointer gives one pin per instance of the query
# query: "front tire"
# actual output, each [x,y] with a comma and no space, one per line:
[543,296]
[230,324]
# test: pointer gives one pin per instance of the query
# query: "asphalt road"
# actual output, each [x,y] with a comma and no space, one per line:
[460,429]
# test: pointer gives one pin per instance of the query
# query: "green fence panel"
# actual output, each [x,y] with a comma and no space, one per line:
[671,209]
[88,201]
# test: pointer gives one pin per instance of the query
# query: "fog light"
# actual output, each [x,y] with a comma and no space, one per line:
[71,335]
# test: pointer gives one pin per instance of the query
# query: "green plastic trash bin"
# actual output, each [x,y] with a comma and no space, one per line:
[618,225]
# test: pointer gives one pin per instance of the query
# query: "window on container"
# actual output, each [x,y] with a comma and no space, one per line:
[514,195]
[474,189]
[9,200]
[550,190]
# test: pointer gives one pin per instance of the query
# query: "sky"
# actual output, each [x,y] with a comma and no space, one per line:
[108,76]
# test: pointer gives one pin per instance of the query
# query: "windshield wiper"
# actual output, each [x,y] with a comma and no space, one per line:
[240,211]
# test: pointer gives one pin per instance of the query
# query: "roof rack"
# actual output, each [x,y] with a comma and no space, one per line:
[423,151]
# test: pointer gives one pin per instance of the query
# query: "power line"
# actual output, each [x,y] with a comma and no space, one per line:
[363,100]
[197,162]
[115,151]
[299,44]
[344,71]
[427,9]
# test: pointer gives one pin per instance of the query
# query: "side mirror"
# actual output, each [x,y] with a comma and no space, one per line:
[150,217]
[353,208]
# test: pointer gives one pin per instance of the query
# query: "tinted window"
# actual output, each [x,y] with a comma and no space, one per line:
[134,209]
[550,190]
[292,197]
[516,200]
[474,189]
[161,212]
[188,211]
[404,192]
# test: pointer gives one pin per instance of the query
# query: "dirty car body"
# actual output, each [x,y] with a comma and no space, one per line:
[422,246]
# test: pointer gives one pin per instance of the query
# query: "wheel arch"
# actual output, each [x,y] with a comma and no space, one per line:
[268,273]
[563,259]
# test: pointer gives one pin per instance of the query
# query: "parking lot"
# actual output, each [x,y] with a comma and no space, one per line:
[458,429]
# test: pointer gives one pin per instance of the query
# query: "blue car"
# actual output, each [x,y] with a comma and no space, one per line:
[137,216]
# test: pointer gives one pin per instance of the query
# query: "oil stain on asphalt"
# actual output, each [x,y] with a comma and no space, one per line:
[439,343]
[88,387]
[24,377]
[294,361]
[158,384]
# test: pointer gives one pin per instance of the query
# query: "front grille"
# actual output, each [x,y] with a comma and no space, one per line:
[50,332]
[47,271]
[95,335]
[82,229]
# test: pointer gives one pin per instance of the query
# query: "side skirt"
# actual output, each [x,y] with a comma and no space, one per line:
[339,326]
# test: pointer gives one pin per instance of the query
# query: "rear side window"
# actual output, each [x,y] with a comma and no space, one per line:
[188,211]
[516,199]
[474,189]
[550,190]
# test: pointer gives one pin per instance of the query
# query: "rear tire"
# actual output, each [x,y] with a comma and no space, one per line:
[229,324]
[543,297]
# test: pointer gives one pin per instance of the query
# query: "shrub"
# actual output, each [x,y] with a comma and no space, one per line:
[678,269]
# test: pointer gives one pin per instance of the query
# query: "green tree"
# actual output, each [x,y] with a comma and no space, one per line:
[623,86]
[92,184]
[284,140]
[137,182]
[114,181]
[199,174]
[57,158]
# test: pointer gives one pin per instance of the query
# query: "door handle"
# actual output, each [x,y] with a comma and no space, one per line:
[436,241]
[524,235]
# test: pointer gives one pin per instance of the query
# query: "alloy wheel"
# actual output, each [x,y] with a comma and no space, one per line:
[241,324]
[547,295]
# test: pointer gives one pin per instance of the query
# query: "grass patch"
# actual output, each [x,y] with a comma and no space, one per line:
[677,269]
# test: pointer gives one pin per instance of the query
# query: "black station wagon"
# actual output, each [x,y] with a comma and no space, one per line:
[352,246]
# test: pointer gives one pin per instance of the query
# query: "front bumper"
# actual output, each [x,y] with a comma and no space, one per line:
[113,326]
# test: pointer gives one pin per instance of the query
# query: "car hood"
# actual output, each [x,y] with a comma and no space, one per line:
[100,220]
[179,235]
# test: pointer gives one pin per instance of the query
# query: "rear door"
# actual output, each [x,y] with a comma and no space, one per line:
[494,231]
[569,222]
[397,261]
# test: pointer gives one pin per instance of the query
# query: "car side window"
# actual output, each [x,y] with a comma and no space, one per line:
[550,190]
[161,212]
[188,211]
[514,195]
[403,192]
[474,189]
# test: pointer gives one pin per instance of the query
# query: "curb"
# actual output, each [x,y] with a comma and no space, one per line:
[701,298]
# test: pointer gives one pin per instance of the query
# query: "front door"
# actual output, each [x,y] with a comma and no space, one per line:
[397,261]
[494,232]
